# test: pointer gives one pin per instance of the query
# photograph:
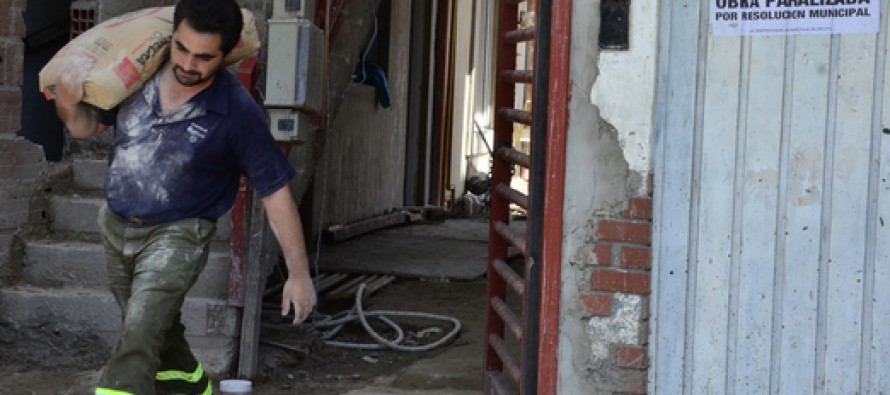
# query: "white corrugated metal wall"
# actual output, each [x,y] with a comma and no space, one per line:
[772,221]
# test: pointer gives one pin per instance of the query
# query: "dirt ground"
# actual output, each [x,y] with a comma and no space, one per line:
[49,360]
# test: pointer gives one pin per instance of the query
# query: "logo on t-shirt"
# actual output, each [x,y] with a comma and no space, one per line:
[196,132]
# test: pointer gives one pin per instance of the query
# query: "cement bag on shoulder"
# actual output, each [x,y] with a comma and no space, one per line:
[125,52]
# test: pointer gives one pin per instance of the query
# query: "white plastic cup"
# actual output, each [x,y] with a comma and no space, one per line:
[235,387]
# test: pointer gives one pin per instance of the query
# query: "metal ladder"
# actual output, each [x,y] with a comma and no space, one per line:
[505,371]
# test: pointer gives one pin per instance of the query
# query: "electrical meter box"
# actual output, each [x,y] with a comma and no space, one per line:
[294,9]
[293,79]
[290,126]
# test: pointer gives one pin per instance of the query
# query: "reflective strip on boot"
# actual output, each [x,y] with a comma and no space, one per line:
[109,391]
[209,390]
[170,375]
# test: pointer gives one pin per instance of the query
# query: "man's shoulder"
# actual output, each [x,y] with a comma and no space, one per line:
[230,83]
[239,97]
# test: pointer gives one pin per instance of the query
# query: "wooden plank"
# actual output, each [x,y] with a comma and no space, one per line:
[342,291]
[262,253]
[238,242]
[328,281]
[752,288]
[252,259]
[248,73]
[348,289]
[675,114]
[344,232]
[418,213]
[794,324]
[380,282]
[715,166]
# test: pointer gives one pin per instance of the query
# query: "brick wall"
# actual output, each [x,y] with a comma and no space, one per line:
[617,300]
[12,55]
[23,166]
[23,172]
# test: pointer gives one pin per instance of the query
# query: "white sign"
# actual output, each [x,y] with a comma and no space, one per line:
[782,17]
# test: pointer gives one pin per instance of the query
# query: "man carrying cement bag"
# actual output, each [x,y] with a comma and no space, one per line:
[125,52]
[181,142]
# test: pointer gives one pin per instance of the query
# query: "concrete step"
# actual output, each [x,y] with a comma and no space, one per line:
[76,213]
[89,173]
[212,327]
[57,264]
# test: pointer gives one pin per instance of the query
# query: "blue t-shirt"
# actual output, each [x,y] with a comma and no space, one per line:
[187,164]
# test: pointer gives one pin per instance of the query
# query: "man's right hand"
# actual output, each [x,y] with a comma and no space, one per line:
[69,84]
[79,118]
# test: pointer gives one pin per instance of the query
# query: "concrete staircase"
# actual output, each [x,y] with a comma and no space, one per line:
[63,282]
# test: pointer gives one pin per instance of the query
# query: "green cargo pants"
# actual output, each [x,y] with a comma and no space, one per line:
[151,267]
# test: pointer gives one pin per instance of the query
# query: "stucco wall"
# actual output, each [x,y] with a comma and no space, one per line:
[607,214]
[624,91]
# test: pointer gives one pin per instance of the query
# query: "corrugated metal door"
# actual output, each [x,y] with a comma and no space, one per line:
[772,218]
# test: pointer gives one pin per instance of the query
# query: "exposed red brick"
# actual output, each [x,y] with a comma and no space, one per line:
[597,304]
[636,387]
[636,257]
[612,280]
[638,283]
[603,254]
[624,231]
[633,357]
[638,208]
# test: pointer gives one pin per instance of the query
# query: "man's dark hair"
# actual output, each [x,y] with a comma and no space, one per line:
[222,17]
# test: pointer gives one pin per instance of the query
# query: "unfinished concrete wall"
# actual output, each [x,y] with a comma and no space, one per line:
[22,165]
[607,215]
[23,170]
[12,29]
[362,170]
[624,92]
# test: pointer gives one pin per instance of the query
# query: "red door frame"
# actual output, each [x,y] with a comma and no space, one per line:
[559,95]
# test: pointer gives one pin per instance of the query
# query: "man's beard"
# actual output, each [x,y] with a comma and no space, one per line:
[189,78]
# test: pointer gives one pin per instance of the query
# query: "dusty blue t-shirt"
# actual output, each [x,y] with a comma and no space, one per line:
[187,164]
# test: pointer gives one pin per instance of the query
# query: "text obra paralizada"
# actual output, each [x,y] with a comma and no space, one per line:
[723,4]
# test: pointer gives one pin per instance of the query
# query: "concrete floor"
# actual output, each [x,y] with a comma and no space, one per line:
[454,250]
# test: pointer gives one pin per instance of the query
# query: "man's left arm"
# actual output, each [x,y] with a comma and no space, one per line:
[285,223]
